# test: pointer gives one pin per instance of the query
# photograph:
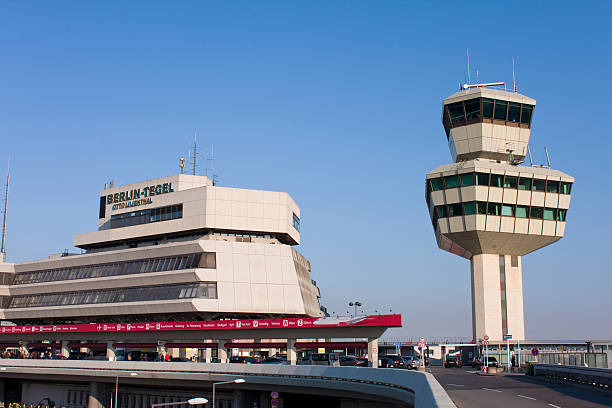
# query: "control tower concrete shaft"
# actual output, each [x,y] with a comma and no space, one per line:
[488,208]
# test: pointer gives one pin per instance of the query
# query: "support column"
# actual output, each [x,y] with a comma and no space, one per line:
[65,349]
[110,351]
[373,351]
[208,355]
[291,352]
[497,297]
[222,351]
[98,395]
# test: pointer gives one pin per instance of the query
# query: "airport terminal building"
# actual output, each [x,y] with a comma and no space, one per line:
[171,249]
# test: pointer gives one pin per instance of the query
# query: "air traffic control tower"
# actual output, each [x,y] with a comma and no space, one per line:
[487,208]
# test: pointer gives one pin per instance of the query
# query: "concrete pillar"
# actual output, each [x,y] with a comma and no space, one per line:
[182,353]
[373,351]
[110,351]
[99,395]
[497,297]
[208,354]
[162,350]
[291,352]
[222,351]
[65,349]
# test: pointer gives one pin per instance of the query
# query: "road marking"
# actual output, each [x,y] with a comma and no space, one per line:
[554,406]
[490,389]
[522,396]
[456,385]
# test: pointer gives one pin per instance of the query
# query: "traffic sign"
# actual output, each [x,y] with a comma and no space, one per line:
[274,402]
[486,342]
[535,351]
[422,340]
[507,337]
[486,337]
[274,394]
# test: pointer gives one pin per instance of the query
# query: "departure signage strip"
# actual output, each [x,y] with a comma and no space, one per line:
[393,320]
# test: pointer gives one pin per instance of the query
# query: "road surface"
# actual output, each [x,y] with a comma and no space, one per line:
[470,390]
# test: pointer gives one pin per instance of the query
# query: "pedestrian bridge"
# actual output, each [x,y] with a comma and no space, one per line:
[357,387]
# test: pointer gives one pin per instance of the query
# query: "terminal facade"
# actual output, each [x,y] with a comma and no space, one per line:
[488,208]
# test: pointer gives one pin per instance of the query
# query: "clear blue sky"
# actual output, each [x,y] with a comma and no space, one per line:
[335,102]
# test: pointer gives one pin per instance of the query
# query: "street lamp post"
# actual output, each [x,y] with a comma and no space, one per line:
[356,304]
[236,381]
[117,389]
[193,401]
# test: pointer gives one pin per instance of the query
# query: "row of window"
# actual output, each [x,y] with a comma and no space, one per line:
[509,210]
[296,222]
[501,181]
[170,212]
[483,109]
[137,294]
[236,234]
[170,263]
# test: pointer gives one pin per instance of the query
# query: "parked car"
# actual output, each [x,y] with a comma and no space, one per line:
[332,359]
[452,361]
[480,361]
[276,359]
[348,360]
[391,361]
[412,362]
[244,360]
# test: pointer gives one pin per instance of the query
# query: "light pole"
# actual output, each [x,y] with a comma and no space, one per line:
[236,381]
[193,401]
[356,304]
[117,388]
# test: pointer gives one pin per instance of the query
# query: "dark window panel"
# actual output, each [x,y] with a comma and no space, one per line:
[550,214]
[469,208]
[538,185]
[566,188]
[537,213]
[482,179]
[494,209]
[451,181]
[467,179]
[472,110]
[436,184]
[481,207]
[455,210]
[501,109]
[552,186]
[524,183]
[487,108]
[514,112]
[561,214]
[457,115]
[440,211]
[522,211]
[510,182]
[526,112]
[497,180]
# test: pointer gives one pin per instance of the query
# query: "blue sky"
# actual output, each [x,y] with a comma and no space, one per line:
[339,104]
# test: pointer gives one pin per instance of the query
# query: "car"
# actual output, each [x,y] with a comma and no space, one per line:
[412,362]
[452,361]
[391,361]
[244,360]
[479,362]
[276,359]
[332,359]
[348,361]
[362,362]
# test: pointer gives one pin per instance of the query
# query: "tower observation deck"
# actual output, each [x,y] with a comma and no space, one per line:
[487,208]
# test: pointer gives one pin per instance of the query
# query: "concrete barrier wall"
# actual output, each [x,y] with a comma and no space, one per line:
[599,377]
[408,388]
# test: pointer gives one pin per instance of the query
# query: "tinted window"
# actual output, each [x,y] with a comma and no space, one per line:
[469,208]
[482,179]
[494,209]
[552,186]
[481,207]
[514,112]
[487,107]
[500,110]
[566,188]
[496,180]
[472,109]
[549,214]
[527,110]
[561,213]
[524,183]
[538,185]
[456,113]
[452,181]
[440,211]
[507,210]
[455,210]
[467,179]
[510,182]
[522,211]
[436,184]
[537,212]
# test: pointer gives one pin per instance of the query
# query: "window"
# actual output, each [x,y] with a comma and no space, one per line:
[522,211]
[436,184]
[507,210]
[510,182]
[467,179]
[440,210]
[524,183]
[487,108]
[552,186]
[549,214]
[561,213]
[538,185]
[501,108]
[482,179]
[566,187]
[457,115]
[537,212]
[514,112]
[296,222]
[496,180]
[472,110]
[494,209]
[452,181]
[481,207]
[455,210]
[469,208]
[146,216]
[526,111]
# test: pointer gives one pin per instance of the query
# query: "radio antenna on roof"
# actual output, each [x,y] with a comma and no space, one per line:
[195,152]
[513,77]
[468,65]
[6,191]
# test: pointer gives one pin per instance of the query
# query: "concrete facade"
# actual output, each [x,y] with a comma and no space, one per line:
[487,208]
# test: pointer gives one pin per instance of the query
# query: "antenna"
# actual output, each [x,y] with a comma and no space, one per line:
[530,159]
[547,158]
[468,65]
[210,170]
[8,175]
[476,76]
[513,76]
[195,152]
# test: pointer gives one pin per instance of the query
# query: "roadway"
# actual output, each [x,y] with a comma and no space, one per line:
[467,389]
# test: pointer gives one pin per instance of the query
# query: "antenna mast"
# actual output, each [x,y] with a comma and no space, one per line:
[195,152]
[8,174]
[513,76]
[468,65]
